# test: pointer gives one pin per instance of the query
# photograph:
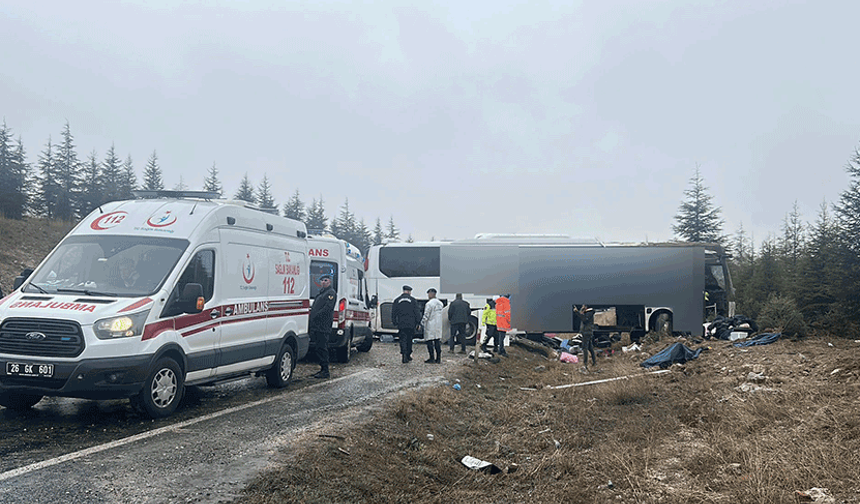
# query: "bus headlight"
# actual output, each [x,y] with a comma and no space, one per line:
[120,327]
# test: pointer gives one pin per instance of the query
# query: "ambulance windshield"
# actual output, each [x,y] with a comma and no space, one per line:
[127,266]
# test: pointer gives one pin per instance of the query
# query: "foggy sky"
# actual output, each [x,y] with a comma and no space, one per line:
[585,118]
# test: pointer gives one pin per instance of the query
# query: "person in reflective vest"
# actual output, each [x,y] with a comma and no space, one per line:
[488,319]
[503,320]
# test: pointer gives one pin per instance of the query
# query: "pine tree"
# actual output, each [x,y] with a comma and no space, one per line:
[211,183]
[68,170]
[246,190]
[364,238]
[698,219]
[848,218]
[181,185]
[112,176]
[128,180]
[12,176]
[378,233]
[820,269]
[294,208]
[792,248]
[344,226]
[264,196]
[409,239]
[91,193]
[316,219]
[28,179]
[393,233]
[152,177]
[49,187]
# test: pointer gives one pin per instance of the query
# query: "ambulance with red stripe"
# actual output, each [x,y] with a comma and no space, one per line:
[144,297]
[330,255]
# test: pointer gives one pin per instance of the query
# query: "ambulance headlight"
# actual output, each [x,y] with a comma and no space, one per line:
[120,327]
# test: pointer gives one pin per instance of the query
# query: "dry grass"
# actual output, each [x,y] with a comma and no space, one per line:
[24,243]
[689,436]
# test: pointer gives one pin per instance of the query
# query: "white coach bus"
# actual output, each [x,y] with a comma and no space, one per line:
[391,266]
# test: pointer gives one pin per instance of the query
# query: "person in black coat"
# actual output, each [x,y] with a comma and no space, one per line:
[458,316]
[406,315]
[319,324]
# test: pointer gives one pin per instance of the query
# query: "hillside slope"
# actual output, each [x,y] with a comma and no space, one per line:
[24,243]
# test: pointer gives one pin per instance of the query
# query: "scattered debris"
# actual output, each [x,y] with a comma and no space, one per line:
[835,371]
[756,377]
[332,436]
[457,386]
[569,358]
[540,368]
[479,465]
[750,387]
[722,327]
[343,451]
[632,348]
[829,344]
[761,339]
[544,431]
[557,444]
[430,437]
[677,352]
[817,495]
[606,380]
[608,486]
[531,346]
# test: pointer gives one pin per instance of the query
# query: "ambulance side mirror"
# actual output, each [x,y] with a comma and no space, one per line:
[19,280]
[374,301]
[190,301]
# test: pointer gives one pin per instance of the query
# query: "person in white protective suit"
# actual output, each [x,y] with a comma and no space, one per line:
[432,324]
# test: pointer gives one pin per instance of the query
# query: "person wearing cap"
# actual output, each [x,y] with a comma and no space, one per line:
[406,316]
[319,323]
[458,316]
[488,319]
[432,324]
[586,328]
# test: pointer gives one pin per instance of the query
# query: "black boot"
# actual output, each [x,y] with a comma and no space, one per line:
[323,373]
[404,359]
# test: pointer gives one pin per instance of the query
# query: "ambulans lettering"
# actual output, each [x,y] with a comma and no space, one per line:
[55,306]
[247,308]
[318,252]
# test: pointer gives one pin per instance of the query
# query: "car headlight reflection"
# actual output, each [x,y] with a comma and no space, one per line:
[120,327]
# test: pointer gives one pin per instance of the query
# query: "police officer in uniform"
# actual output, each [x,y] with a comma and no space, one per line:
[322,314]
[406,316]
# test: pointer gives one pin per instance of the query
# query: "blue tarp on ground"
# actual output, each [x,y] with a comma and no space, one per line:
[761,339]
[674,353]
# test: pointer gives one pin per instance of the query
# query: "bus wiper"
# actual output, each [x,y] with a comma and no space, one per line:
[88,292]
[43,291]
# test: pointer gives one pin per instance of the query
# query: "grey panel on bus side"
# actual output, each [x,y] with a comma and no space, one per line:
[550,280]
[479,269]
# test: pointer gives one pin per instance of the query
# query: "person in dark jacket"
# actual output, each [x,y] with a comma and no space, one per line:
[458,316]
[319,325]
[406,315]
[586,328]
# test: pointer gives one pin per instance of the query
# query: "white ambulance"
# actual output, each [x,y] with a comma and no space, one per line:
[147,296]
[330,255]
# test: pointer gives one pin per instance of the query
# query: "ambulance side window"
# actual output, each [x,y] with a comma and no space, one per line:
[200,270]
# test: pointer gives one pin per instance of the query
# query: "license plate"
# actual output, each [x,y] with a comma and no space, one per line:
[32,370]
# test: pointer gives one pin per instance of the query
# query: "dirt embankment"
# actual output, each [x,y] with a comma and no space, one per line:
[735,425]
[24,243]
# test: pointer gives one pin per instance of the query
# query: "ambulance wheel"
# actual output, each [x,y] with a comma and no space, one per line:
[18,402]
[341,354]
[162,390]
[279,375]
[366,344]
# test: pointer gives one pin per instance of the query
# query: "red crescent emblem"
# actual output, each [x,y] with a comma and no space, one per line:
[108,220]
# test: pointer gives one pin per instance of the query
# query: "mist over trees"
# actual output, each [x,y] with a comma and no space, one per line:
[62,186]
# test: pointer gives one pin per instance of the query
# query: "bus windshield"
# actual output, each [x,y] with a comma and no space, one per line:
[128,266]
[397,262]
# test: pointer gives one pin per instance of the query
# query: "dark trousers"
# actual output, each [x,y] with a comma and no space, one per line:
[320,341]
[588,346]
[406,336]
[437,346]
[458,332]
[498,340]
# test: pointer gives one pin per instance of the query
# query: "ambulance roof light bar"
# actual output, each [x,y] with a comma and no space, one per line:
[207,195]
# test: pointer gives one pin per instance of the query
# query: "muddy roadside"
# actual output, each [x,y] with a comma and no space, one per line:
[735,425]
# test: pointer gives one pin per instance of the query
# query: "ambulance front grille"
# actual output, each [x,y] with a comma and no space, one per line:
[21,336]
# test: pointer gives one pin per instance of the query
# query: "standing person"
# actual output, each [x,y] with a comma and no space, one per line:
[432,323]
[488,319]
[458,316]
[406,316]
[586,328]
[503,321]
[322,314]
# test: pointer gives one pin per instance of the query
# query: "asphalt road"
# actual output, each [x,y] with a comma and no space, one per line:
[69,450]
